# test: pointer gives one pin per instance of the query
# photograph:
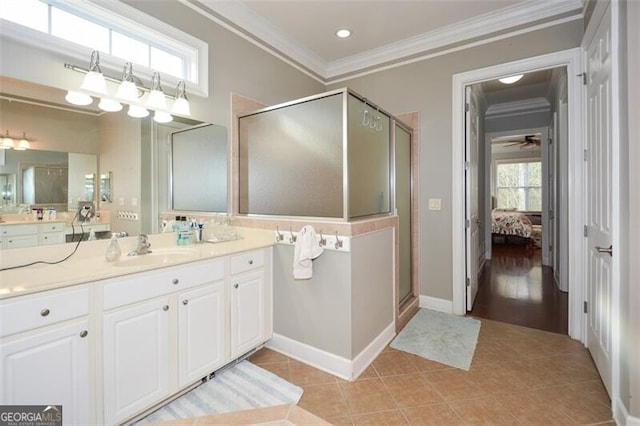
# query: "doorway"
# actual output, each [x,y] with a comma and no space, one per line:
[571,60]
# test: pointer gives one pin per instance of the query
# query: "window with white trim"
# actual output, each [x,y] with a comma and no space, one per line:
[97,26]
[519,185]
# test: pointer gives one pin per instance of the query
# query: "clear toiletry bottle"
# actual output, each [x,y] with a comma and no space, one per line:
[113,251]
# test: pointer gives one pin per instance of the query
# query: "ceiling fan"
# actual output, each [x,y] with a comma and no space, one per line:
[529,141]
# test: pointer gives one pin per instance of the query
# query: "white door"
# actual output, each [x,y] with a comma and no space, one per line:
[136,359]
[247,312]
[49,368]
[201,332]
[472,222]
[599,201]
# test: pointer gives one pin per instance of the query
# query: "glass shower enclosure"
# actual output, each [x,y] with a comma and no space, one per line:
[325,156]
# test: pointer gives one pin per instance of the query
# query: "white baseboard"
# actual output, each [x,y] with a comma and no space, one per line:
[435,304]
[622,416]
[333,364]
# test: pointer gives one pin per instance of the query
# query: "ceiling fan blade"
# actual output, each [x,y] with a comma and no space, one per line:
[514,144]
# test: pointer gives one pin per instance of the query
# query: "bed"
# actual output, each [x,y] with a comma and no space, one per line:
[514,227]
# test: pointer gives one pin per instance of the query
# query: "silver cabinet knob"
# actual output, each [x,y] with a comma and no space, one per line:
[235,285]
[250,261]
[84,333]
[45,312]
[165,308]
[185,302]
[175,281]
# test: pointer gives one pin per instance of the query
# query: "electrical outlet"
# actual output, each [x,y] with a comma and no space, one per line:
[435,203]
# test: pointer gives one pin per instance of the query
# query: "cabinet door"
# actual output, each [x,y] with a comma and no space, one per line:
[49,238]
[201,332]
[20,241]
[136,358]
[49,368]
[247,312]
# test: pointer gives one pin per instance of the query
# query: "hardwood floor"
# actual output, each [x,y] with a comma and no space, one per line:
[515,288]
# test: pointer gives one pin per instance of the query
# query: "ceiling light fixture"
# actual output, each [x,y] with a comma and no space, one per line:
[343,33]
[510,80]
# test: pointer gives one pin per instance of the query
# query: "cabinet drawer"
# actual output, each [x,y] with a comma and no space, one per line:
[52,227]
[19,229]
[247,261]
[51,238]
[33,311]
[19,241]
[148,285]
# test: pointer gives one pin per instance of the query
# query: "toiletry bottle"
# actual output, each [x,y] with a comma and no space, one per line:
[92,235]
[113,251]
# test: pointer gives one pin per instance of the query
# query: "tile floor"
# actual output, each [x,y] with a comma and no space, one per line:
[519,376]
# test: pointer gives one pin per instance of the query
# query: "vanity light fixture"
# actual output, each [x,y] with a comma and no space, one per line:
[511,79]
[94,80]
[156,99]
[181,104]
[130,91]
[127,90]
[77,98]
[7,142]
[343,33]
[24,144]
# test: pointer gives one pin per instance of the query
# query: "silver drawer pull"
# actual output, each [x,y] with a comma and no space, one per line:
[45,312]
[165,308]
[235,286]
[608,250]
[175,281]
[250,261]
[84,333]
[185,302]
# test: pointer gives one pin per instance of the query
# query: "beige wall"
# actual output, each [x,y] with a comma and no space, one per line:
[426,87]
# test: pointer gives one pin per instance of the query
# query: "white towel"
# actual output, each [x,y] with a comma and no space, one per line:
[306,249]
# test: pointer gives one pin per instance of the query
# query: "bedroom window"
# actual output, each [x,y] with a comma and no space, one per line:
[519,186]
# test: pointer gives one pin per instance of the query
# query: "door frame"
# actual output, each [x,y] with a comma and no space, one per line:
[572,60]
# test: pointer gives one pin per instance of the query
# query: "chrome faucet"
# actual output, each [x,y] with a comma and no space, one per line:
[143,246]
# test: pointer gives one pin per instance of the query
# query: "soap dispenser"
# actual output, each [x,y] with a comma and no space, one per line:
[113,251]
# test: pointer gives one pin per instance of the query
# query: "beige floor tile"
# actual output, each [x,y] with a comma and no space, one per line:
[367,396]
[303,374]
[423,364]
[532,408]
[265,356]
[578,406]
[453,384]
[368,373]
[299,416]
[393,417]
[280,369]
[434,414]
[247,417]
[482,411]
[411,390]
[392,362]
[344,420]
[326,401]
[593,388]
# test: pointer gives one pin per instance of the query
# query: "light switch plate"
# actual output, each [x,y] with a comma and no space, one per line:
[134,202]
[435,203]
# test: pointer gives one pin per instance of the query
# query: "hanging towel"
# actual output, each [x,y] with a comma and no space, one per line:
[306,249]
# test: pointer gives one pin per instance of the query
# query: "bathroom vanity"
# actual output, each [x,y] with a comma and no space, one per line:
[110,341]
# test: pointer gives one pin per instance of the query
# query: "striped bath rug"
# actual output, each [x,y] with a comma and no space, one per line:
[241,387]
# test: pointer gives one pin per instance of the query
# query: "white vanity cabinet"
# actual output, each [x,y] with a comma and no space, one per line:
[248,320]
[45,352]
[142,330]
[32,234]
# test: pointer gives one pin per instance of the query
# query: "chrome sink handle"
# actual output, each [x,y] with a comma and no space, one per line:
[143,246]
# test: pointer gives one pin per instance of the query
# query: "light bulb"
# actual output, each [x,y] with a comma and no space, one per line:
[127,91]
[7,142]
[510,80]
[137,111]
[77,98]
[156,100]
[181,107]
[23,144]
[162,117]
[109,105]
[94,82]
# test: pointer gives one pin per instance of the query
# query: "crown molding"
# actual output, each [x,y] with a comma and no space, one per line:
[527,106]
[480,26]
[240,19]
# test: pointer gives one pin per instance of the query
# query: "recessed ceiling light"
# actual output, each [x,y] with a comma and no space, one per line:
[510,80]
[344,33]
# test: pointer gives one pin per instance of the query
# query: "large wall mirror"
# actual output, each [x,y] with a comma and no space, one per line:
[121,163]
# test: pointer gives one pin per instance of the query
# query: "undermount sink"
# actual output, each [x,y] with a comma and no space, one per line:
[158,257]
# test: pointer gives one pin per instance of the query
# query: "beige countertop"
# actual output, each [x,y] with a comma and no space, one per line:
[88,264]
